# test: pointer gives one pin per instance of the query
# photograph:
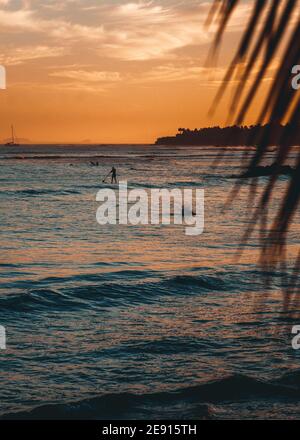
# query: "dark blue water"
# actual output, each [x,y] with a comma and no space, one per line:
[137,321]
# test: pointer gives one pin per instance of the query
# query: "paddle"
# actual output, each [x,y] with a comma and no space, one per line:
[103,181]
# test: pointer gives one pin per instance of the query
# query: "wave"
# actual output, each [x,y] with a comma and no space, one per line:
[204,281]
[36,300]
[171,346]
[195,402]
[186,184]
[132,185]
[39,192]
[291,378]
[116,288]
[64,157]
[120,288]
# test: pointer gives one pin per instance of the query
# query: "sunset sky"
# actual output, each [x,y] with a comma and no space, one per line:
[110,70]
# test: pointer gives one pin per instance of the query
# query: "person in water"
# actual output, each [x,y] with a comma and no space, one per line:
[113,175]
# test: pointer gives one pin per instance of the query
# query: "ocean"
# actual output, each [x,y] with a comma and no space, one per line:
[138,322]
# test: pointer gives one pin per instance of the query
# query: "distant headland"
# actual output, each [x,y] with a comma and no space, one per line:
[230,136]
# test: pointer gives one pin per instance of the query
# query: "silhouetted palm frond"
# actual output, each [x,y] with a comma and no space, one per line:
[272,34]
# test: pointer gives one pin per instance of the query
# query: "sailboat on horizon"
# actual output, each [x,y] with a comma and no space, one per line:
[12,142]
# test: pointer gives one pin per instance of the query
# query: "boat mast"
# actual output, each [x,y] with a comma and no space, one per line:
[12,134]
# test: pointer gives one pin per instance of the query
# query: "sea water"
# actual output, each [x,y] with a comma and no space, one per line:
[123,321]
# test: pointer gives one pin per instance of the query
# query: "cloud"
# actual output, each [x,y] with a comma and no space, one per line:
[76,32]
[22,55]
[145,31]
[171,73]
[96,31]
[127,31]
[84,80]
[19,19]
[88,76]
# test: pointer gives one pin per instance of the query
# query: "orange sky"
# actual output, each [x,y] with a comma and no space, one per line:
[109,71]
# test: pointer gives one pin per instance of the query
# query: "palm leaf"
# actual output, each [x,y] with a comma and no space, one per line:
[264,38]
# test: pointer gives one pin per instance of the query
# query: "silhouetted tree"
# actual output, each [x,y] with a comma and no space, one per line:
[233,136]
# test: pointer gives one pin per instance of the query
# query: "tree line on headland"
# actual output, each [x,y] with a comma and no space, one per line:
[231,136]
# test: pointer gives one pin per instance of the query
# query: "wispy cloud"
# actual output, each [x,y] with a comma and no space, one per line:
[129,31]
[172,73]
[145,31]
[21,55]
[99,37]
[18,19]
[88,76]
[132,30]
[84,80]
